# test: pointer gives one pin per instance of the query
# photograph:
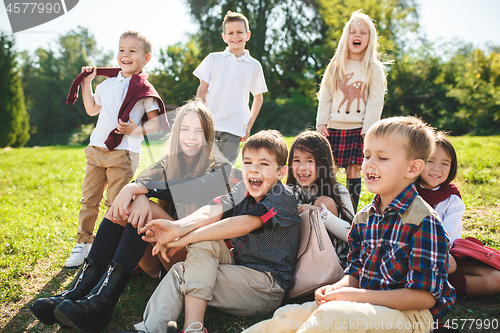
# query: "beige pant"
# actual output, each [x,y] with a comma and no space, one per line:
[340,316]
[113,169]
[209,273]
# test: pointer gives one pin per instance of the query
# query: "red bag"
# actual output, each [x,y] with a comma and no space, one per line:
[471,251]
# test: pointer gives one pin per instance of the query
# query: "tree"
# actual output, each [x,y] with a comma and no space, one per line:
[47,77]
[14,124]
[173,78]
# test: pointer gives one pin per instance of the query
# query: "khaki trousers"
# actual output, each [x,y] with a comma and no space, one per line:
[113,169]
[341,316]
[209,273]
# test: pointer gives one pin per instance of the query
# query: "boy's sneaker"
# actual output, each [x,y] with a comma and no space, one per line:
[79,253]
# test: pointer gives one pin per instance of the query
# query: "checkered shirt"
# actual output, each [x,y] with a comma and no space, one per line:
[272,247]
[405,247]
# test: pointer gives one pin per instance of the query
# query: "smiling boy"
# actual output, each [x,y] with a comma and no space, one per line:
[260,218]
[112,167]
[226,80]
[396,279]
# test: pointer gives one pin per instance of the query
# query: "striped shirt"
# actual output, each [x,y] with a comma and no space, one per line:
[403,247]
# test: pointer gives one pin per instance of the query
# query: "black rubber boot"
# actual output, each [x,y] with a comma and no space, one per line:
[89,275]
[93,312]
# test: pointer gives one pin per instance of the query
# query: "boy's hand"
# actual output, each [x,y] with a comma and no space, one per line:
[330,293]
[125,127]
[160,231]
[92,69]
[247,134]
[323,130]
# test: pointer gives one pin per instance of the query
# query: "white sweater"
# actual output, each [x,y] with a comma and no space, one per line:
[353,106]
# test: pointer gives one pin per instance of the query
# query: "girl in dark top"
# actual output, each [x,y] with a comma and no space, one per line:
[196,173]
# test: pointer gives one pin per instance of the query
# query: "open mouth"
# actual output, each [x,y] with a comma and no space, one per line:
[255,183]
[372,177]
[303,177]
[191,145]
[126,62]
[356,42]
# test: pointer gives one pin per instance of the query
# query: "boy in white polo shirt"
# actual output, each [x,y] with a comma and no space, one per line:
[226,79]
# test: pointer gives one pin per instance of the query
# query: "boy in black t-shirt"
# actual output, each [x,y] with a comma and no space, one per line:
[260,218]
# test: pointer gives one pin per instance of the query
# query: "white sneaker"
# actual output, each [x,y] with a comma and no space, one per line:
[79,253]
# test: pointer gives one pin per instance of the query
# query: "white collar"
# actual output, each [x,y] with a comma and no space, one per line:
[245,57]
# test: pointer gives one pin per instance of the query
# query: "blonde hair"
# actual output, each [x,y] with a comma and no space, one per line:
[176,167]
[418,137]
[235,17]
[335,71]
[270,140]
[148,47]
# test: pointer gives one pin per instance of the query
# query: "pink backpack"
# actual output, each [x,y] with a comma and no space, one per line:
[471,251]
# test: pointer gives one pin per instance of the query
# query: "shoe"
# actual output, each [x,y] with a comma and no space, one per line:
[93,312]
[87,278]
[193,329]
[79,253]
[171,327]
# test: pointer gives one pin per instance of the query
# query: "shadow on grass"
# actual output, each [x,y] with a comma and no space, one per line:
[128,311]
[24,320]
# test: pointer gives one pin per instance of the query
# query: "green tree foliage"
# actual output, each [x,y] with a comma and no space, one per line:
[452,86]
[47,77]
[14,123]
[173,78]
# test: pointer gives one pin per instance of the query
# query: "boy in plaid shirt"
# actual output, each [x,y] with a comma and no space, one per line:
[396,279]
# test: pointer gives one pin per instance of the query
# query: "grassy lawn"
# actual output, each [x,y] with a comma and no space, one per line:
[39,203]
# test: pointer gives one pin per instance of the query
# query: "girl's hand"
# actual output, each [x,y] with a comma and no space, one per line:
[306,207]
[125,127]
[119,208]
[140,212]
[92,69]
[323,130]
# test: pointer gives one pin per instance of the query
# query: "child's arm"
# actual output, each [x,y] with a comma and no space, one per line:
[202,91]
[400,299]
[164,231]
[91,106]
[254,112]
[325,100]
[375,99]
[130,127]
[231,227]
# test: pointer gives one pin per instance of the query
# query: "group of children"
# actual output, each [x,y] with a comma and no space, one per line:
[238,253]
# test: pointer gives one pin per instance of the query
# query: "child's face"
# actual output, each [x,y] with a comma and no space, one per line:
[304,167]
[191,138]
[235,35]
[359,36]
[437,169]
[131,56]
[260,172]
[386,167]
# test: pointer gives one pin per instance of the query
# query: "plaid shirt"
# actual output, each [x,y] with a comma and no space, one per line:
[405,247]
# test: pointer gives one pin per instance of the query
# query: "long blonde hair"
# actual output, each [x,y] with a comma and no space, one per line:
[335,71]
[173,166]
[176,167]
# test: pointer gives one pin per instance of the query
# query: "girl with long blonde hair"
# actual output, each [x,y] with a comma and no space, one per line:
[351,97]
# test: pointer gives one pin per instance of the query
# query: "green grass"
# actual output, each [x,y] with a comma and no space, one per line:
[40,189]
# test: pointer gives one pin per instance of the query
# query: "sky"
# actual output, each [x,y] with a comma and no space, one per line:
[167,22]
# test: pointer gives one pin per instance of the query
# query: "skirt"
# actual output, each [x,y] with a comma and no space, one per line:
[347,146]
